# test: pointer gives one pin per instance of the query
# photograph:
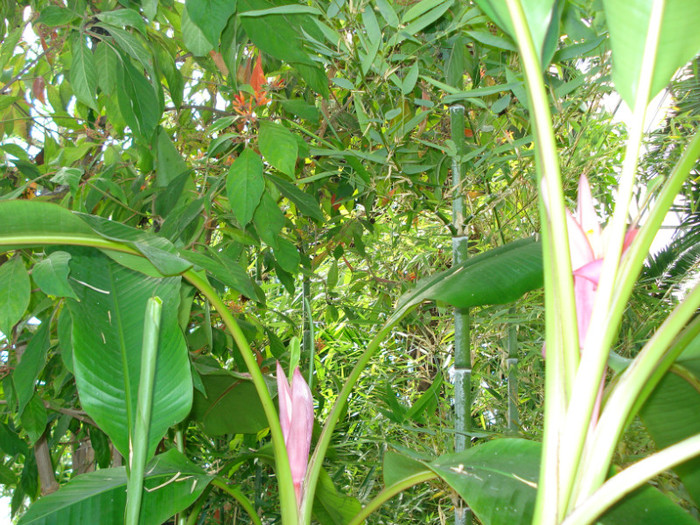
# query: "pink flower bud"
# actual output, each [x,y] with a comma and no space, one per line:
[297,422]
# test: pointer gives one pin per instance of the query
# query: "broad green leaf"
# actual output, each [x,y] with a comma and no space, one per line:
[14,289]
[51,274]
[158,250]
[169,162]
[172,481]
[306,203]
[83,74]
[542,19]
[34,418]
[193,37]
[30,366]
[53,15]
[211,16]
[228,272]
[409,82]
[278,146]
[498,480]
[107,339]
[670,413]
[10,443]
[679,42]
[498,276]
[231,405]
[274,34]
[398,467]
[137,100]
[69,177]
[245,185]
[287,256]
[268,220]
[123,17]
[330,506]
[106,62]
[132,44]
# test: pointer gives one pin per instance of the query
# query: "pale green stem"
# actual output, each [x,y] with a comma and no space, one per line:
[316,462]
[388,493]
[634,259]
[598,342]
[288,500]
[138,442]
[561,327]
[600,451]
[632,478]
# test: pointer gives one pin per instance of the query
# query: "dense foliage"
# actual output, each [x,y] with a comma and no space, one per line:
[299,160]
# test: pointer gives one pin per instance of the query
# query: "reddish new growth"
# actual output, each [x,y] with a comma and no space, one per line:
[244,104]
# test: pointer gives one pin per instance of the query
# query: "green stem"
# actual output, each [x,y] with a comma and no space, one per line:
[236,494]
[316,462]
[288,502]
[628,390]
[139,440]
[560,310]
[632,478]
[388,493]
[598,342]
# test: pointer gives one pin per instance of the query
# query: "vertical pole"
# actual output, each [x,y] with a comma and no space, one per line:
[513,418]
[462,350]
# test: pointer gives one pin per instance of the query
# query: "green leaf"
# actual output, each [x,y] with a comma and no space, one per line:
[34,418]
[228,272]
[540,15]
[14,291]
[107,339]
[193,37]
[268,220]
[83,75]
[123,17]
[51,274]
[278,146]
[398,467]
[306,203]
[245,185]
[132,44]
[137,100]
[276,35]
[211,16]
[158,250]
[106,62]
[231,406]
[670,413]
[170,164]
[498,276]
[498,481]
[99,497]
[287,256]
[53,16]
[30,366]
[679,42]
[332,507]
[69,177]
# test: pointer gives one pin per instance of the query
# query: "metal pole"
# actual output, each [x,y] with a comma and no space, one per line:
[462,349]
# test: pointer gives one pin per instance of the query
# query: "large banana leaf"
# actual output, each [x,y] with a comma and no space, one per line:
[672,411]
[98,498]
[498,276]
[108,322]
[498,480]
[679,41]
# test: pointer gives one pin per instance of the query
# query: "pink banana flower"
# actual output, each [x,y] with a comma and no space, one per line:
[587,249]
[297,421]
